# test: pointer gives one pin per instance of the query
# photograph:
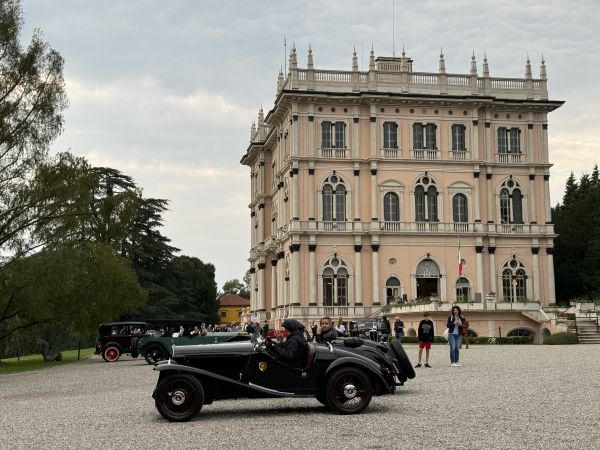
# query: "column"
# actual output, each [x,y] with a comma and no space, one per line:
[475,140]
[480,289]
[280,279]
[551,290]
[357,275]
[373,134]
[545,143]
[295,249]
[295,194]
[312,214]
[547,199]
[492,269]
[356,192]
[477,209]
[375,264]
[261,224]
[530,144]
[261,287]
[253,296]
[355,137]
[312,274]
[532,205]
[489,147]
[374,197]
[294,131]
[274,272]
[536,274]
[490,198]
[311,131]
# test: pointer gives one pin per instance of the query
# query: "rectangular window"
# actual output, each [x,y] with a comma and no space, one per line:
[340,141]
[515,141]
[417,136]
[502,140]
[430,136]
[390,135]
[223,313]
[458,138]
[326,135]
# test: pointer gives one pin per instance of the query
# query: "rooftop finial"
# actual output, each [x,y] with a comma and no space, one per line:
[543,75]
[442,65]
[372,58]
[486,69]
[528,74]
[293,57]
[403,52]
[354,60]
[309,64]
[473,64]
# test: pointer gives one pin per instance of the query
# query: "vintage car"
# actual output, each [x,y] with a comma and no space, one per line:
[116,338]
[155,348]
[343,376]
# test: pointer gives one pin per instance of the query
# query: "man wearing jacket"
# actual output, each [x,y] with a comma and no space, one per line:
[293,351]
[425,334]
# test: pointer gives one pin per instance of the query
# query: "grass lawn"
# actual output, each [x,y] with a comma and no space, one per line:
[34,362]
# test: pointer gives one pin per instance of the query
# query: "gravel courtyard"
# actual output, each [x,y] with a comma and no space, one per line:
[503,397]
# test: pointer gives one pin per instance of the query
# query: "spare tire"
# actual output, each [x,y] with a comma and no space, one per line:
[405,365]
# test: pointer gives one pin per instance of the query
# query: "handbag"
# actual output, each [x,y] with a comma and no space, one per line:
[445,333]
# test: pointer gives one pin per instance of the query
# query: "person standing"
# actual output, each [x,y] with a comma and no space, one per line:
[385,329]
[326,332]
[455,331]
[399,328]
[465,332]
[340,328]
[265,329]
[425,334]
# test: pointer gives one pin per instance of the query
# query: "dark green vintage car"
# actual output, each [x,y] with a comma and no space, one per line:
[157,348]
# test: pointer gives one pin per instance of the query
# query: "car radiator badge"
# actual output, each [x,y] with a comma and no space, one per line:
[262,366]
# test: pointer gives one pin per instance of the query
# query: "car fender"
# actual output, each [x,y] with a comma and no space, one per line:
[364,363]
[170,366]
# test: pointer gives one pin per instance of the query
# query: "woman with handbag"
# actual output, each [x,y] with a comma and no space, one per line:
[455,331]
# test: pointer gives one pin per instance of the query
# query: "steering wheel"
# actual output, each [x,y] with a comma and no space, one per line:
[270,346]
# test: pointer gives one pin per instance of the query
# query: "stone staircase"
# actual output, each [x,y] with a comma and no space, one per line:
[587,330]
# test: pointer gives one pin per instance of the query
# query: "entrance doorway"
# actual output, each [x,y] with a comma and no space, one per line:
[428,279]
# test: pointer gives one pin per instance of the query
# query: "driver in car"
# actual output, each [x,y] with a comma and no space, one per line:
[293,350]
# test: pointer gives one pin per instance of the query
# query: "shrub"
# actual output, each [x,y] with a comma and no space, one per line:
[561,339]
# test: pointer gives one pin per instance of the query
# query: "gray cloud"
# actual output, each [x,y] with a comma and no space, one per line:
[166,91]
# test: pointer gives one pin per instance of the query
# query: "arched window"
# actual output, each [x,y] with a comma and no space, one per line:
[519,332]
[334,200]
[514,281]
[391,207]
[428,277]
[459,208]
[392,290]
[335,283]
[426,204]
[511,202]
[463,290]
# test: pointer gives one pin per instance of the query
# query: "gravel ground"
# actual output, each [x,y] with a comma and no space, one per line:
[503,397]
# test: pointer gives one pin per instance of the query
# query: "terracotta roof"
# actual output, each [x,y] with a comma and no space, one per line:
[233,300]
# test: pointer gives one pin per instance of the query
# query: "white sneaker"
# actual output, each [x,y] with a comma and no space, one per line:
[453,364]
[457,365]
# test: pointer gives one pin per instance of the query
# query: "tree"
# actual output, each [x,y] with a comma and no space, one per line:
[577,247]
[236,287]
[75,286]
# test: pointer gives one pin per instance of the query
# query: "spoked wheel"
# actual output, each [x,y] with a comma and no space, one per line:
[348,391]
[111,353]
[154,354]
[179,397]
[405,366]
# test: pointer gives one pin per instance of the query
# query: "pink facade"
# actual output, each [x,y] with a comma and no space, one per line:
[364,184]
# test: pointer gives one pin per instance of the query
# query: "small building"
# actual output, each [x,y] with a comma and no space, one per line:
[231,307]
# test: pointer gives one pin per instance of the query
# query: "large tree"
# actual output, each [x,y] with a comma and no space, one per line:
[577,248]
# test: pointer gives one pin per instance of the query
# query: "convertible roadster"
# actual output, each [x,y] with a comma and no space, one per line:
[344,376]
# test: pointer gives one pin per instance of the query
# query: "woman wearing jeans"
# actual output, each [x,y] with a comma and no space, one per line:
[455,330]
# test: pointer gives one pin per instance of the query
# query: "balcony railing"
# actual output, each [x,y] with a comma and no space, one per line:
[332,226]
[425,154]
[334,153]
[391,153]
[509,157]
[459,155]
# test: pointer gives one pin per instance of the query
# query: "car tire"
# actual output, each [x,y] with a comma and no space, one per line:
[133,347]
[111,353]
[179,397]
[154,354]
[405,366]
[322,399]
[348,391]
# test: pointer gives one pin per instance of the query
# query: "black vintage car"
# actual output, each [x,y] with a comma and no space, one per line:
[343,376]
[116,338]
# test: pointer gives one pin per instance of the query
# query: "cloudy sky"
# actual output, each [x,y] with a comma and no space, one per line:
[165,90]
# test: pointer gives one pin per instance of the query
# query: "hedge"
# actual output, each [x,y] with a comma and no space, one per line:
[561,339]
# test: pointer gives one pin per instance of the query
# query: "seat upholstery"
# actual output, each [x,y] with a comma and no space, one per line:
[310,355]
